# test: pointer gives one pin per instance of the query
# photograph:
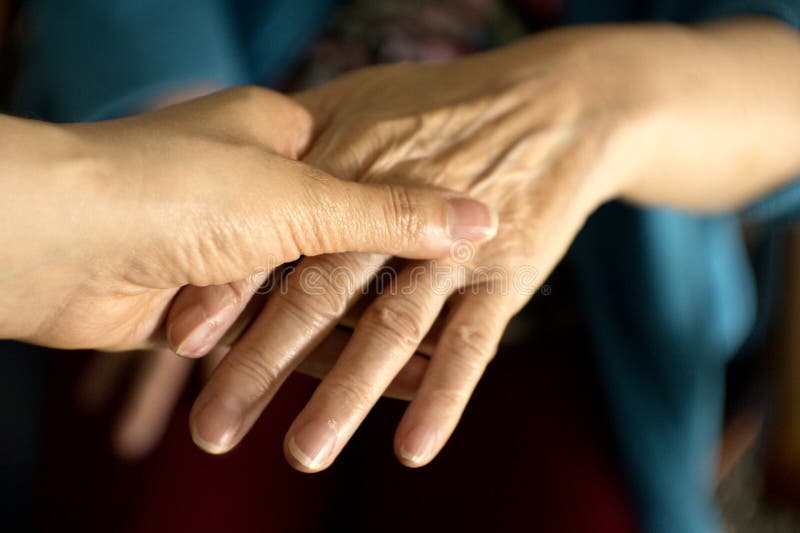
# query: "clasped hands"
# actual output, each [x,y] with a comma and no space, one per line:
[524,145]
[395,161]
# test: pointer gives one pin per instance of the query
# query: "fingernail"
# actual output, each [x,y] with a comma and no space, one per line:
[469,219]
[216,424]
[313,443]
[192,331]
[419,444]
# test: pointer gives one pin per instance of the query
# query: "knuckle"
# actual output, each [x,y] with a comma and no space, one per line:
[395,319]
[319,290]
[470,344]
[449,400]
[356,395]
[252,373]
[330,281]
[403,211]
[318,218]
[317,311]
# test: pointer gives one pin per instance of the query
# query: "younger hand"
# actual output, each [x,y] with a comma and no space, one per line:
[107,221]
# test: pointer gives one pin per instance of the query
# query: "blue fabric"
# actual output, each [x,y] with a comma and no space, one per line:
[780,207]
[670,297]
[277,32]
[98,59]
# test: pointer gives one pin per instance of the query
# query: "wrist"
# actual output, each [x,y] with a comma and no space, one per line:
[722,121]
[609,89]
[647,81]
[46,221]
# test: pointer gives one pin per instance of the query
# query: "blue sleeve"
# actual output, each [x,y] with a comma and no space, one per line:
[97,59]
[669,298]
[786,10]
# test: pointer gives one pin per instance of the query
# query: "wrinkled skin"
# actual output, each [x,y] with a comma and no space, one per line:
[105,222]
[532,145]
[544,132]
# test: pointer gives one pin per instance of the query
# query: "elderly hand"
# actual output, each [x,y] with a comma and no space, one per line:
[105,222]
[154,381]
[528,144]
[544,132]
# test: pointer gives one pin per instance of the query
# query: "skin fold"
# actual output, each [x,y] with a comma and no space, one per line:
[700,118]
[105,222]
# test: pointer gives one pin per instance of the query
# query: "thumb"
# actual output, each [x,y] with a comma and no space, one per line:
[261,216]
[406,221]
[337,216]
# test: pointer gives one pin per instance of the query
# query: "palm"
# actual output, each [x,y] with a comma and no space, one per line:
[121,320]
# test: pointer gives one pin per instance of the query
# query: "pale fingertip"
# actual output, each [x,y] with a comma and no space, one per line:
[209,447]
[470,220]
[199,341]
[190,333]
[215,425]
[132,444]
[312,445]
[418,446]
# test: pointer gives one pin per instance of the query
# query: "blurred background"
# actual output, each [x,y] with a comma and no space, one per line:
[67,461]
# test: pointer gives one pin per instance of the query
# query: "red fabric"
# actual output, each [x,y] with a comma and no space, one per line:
[530,455]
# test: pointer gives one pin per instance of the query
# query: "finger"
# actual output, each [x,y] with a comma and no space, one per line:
[241,222]
[210,362]
[293,322]
[405,384]
[242,112]
[101,379]
[383,342]
[428,345]
[399,220]
[259,207]
[200,316]
[467,344]
[150,403]
[319,108]
[403,387]
[226,311]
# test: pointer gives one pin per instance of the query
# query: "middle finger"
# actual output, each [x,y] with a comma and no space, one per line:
[292,323]
[385,339]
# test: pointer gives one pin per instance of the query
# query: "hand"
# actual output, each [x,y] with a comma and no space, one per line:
[516,144]
[544,132]
[106,222]
[157,379]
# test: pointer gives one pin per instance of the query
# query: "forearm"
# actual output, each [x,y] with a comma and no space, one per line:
[726,129]
[696,117]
